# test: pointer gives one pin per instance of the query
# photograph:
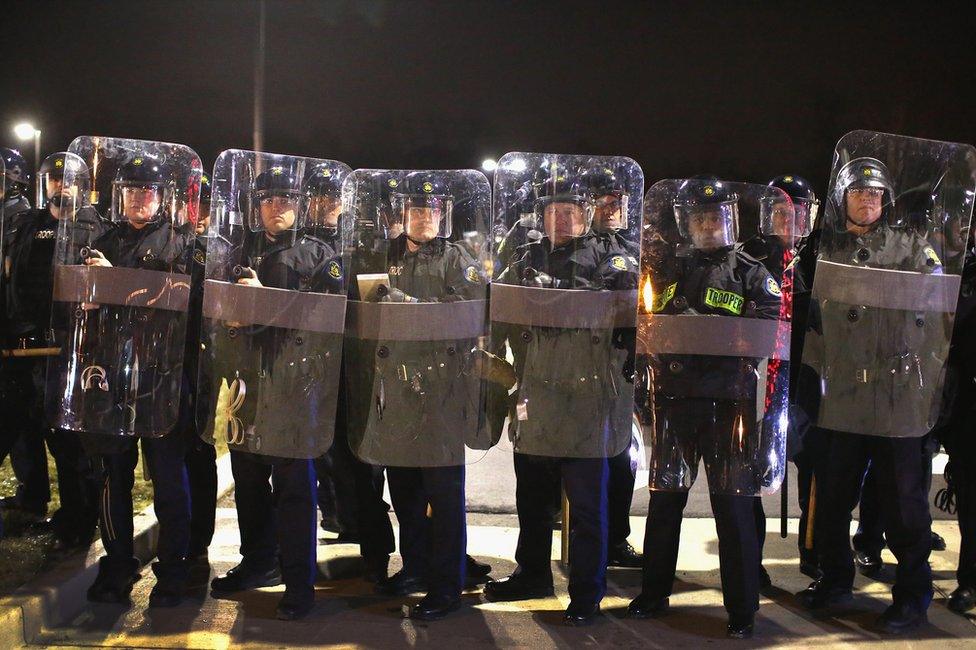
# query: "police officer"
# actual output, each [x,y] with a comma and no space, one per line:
[29,282]
[201,457]
[956,434]
[611,214]
[144,236]
[568,256]
[858,344]
[322,189]
[780,247]
[27,455]
[527,227]
[275,496]
[17,185]
[691,422]
[425,267]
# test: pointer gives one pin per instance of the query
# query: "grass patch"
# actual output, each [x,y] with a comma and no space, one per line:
[25,553]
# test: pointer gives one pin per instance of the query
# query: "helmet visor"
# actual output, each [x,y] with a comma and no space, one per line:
[709,226]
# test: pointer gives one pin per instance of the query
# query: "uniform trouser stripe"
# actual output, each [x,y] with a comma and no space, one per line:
[106,513]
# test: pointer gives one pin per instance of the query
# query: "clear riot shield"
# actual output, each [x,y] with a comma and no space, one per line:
[563,303]
[415,365]
[893,241]
[713,336]
[121,288]
[274,305]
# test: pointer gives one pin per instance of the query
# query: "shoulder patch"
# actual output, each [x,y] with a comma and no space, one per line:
[471,275]
[618,262]
[931,254]
[199,257]
[335,270]
[772,288]
[661,300]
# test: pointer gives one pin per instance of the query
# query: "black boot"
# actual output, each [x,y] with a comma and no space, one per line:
[167,593]
[476,571]
[244,577]
[647,607]
[295,604]
[433,607]
[518,586]
[962,600]
[401,584]
[901,617]
[579,615]
[114,582]
[868,563]
[741,626]
[820,595]
[624,555]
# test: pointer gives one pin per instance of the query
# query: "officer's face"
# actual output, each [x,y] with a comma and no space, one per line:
[203,220]
[609,213]
[54,185]
[422,222]
[784,222]
[278,213]
[564,221]
[140,204]
[324,210]
[864,205]
[709,228]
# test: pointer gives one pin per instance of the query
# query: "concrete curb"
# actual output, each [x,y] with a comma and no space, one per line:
[58,595]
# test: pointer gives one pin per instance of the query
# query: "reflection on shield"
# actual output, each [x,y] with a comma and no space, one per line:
[121,287]
[273,306]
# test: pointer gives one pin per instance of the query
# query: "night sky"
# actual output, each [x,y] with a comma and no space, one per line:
[745,90]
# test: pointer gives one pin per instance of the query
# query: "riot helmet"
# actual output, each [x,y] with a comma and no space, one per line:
[707,213]
[141,191]
[863,193]
[276,201]
[562,206]
[51,188]
[423,203]
[805,207]
[322,195]
[609,195]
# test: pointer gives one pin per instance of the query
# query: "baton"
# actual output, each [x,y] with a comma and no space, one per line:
[30,352]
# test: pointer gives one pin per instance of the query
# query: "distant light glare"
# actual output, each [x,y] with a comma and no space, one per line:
[516,165]
[24,131]
[489,164]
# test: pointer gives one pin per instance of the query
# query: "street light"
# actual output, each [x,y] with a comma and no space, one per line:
[25,131]
[489,164]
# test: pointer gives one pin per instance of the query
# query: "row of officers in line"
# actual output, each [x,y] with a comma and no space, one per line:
[329,324]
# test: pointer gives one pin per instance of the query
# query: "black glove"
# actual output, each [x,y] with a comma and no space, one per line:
[534,278]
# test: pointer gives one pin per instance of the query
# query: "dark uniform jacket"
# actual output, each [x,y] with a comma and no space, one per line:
[574,398]
[879,371]
[31,255]
[729,283]
[415,403]
[287,377]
